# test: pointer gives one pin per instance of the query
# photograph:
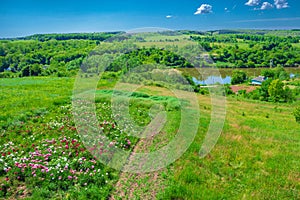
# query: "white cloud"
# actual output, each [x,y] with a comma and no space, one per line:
[266,6]
[252,3]
[226,10]
[169,16]
[281,4]
[204,9]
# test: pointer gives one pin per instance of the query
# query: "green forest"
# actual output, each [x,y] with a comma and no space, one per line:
[249,51]
[62,54]
[51,54]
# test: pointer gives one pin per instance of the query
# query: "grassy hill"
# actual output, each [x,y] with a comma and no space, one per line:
[256,155]
[66,132]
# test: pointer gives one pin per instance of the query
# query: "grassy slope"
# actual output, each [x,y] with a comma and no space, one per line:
[257,155]
[23,97]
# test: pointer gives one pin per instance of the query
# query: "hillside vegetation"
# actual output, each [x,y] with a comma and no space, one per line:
[62,54]
[56,144]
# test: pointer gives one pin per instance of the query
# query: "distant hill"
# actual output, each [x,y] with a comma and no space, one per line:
[292,32]
[67,36]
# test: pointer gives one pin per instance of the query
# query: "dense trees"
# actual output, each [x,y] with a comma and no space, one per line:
[47,54]
[246,50]
[63,54]
[218,39]
[276,73]
[238,76]
[147,56]
[267,38]
[25,58]
[70,36]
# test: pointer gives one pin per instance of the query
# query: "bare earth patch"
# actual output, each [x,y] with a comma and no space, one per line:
[236,88]
[140,185]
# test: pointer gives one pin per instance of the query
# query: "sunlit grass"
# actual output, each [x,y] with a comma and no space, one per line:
[21,96]
[256,157]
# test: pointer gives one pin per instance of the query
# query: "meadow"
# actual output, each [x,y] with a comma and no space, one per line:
[42,156]
[48,151]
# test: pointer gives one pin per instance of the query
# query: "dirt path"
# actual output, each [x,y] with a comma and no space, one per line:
[139,186]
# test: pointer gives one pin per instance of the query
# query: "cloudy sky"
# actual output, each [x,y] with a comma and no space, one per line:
[25,17]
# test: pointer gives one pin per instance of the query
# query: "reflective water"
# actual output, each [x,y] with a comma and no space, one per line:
[211,80]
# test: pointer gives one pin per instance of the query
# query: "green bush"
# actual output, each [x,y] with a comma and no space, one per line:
[228,90]
[278,93]
[297,114]
[238,76]
[7,74]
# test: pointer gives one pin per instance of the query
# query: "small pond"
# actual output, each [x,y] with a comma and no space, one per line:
[211,80]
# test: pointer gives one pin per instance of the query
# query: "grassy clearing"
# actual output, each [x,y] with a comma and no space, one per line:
[159,37]
[163,44]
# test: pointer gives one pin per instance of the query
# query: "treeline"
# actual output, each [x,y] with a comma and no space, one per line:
[282,33]
[212,39]
[69,36]
[248,51]
[257,55]
[63,54]
[47,54]
[233,38]
[268,38]
[36,58]
[147,56]
[64,58]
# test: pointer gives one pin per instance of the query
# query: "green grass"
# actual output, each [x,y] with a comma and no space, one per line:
[159,37]
[256,157]
[28,96]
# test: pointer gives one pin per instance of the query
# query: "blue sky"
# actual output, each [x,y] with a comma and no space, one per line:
[25,17]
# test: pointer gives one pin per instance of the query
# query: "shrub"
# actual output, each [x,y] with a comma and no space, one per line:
[238,76]
[276,90]
[7,74]
[228,90]
[297,114]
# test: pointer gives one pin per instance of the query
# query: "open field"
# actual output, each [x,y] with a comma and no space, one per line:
[256,157]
